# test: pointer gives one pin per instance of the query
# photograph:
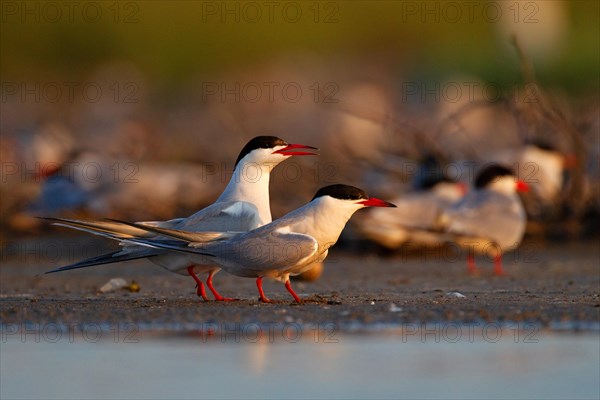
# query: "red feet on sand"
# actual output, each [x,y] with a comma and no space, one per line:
[218,297]
[498,270]
[200,292]
[471,268]
[262,298]
[288,286]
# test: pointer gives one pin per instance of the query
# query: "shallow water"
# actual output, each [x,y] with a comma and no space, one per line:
[430,363]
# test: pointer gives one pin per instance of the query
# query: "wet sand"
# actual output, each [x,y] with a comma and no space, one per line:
[552,285]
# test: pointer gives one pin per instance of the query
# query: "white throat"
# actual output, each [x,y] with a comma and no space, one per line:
[504,184]
[250,183]
[323,218]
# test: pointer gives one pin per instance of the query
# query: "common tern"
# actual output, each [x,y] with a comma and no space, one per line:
[415,220]
[286,246]
[490,219]
[544,167]
[243,206]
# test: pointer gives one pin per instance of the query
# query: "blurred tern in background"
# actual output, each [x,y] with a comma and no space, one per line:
[543,166]
[286,246]
[75,184]
[415,220]
[490,219]
[244,205]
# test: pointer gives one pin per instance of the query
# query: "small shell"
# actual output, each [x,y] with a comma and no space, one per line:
[112,285]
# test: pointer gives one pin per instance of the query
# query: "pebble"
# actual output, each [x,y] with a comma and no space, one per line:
[456,294]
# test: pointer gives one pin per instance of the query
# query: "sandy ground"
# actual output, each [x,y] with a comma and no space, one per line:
[549,284]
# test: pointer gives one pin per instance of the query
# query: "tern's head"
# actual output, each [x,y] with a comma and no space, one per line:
[332,207]
[433,176]
[270,150]
[500,179]
[349,197]
[547,155]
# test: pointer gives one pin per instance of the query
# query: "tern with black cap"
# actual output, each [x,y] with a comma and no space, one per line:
[286,246]
[244,205]
[490,219]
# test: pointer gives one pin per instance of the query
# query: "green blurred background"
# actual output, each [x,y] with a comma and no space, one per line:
[174,41]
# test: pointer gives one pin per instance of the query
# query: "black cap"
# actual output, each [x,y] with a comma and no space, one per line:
[490,173]
[542,144]
[429,174]
[342,192]
[260,142]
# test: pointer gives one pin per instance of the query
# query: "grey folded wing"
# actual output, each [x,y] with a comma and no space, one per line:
[264,253]
[416,211]
[488,215]
[250,254]
[238,216]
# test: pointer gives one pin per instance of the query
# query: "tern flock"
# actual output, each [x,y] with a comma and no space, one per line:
[237,234]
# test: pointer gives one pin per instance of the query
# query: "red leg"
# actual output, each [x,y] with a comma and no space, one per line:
[288,286]
[263,298]
[200,292]
[218,297]
[471,268]
[498,271]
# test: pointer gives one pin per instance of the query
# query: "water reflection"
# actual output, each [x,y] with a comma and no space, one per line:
[356,366]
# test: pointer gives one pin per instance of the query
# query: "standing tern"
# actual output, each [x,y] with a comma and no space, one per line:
[286,246]
[490,219]
[243,206]
[545,168]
